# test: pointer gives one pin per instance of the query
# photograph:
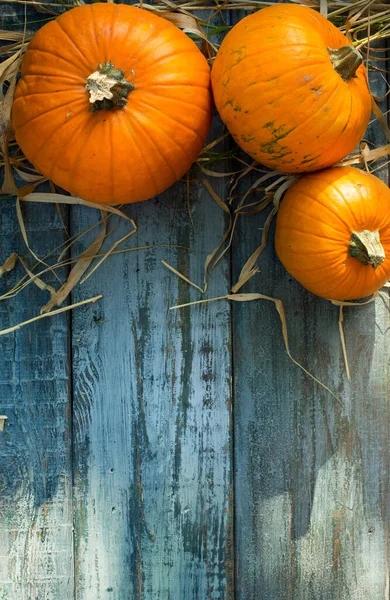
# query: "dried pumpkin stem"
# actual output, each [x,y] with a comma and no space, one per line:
[345,61]
[366,246]
[108,88]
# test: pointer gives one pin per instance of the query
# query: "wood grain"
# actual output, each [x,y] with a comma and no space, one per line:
[152,413]
[311,474]
[36,547]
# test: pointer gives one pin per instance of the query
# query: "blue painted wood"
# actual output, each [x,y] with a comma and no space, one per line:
[143,427]
[152,413]
[311,473]
[36,549]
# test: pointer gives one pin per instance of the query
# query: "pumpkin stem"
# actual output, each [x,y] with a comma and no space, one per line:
[366,246]
[345,61]
[108,88]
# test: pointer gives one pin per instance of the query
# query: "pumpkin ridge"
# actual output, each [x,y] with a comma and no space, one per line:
[313,218]
[319,252]
[314,235]
[127,123]
[142,101]
[67,62]
[46,112]
[314,114]
[77,154]
[84,59]
[55,131]
[169,99]
[255,69]
[141,48]
[47,92]
[174,84]
[161,59]
[161,153]
[112,160]
[334,142]
[325,131]
[77,80]
[327,208]
[292,94]
[59,152]
[93,20]
[286,96]
[347,204]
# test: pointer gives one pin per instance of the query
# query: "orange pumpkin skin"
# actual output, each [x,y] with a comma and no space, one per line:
[123,154]
[279,94]
[314,226]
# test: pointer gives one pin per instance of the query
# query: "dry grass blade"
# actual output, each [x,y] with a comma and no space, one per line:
[343,344]
[8,264]
[348,303]
[37,280]
[4,66]
[250,297]
[374,154]
[109,252]
[62,199]
[12,36]
[181,276]
[50,314]
[24,234]
[213,258]
[279,307]
[30,177]
[249,269]
[77,271]
[218,174]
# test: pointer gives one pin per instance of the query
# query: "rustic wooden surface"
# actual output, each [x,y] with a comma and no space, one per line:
[121,446]
[152,414]
[311,472]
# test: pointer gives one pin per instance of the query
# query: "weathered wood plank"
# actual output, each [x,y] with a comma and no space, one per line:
[152,413]
[312,473]
[36,546]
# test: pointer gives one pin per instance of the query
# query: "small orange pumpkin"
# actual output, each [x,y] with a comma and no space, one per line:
[333,233]
[291,89]
[113,104]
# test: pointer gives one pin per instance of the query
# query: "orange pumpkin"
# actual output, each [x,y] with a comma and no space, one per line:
[291,89]
[333,233]
[113,104]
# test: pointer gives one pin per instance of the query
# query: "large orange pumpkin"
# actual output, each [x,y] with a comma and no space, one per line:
[291,89]
[113,104]
[333,233]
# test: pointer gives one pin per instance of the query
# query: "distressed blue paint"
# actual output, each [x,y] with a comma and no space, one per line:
[35,461]
[152,428]
[152,414]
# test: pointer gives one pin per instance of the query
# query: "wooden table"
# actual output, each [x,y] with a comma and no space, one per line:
[151,453]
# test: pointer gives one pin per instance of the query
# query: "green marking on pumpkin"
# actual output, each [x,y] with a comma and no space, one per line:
[309,160]
[248,138]
[279,156]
